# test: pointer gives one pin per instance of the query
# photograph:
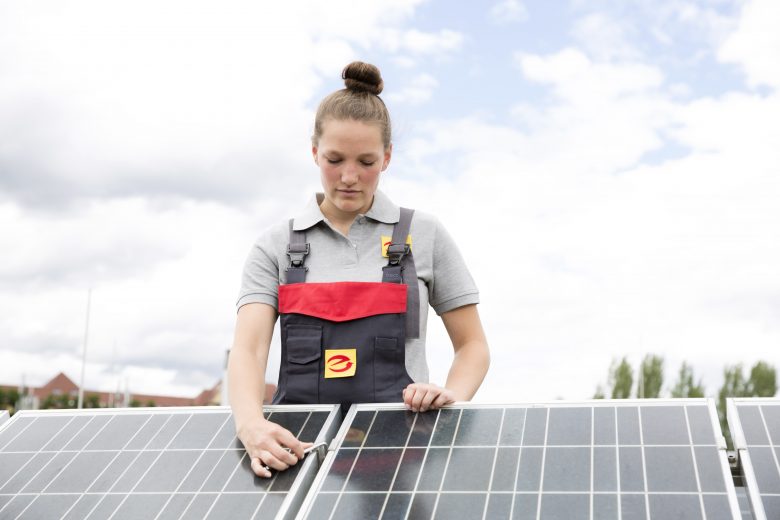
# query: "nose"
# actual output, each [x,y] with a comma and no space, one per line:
[350,174]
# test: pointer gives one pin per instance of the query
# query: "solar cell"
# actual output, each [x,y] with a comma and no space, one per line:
[165,463]
[755,429]
[592,460]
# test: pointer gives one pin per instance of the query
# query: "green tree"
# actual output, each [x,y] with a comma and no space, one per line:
[599,392]
[763,381]
[651,373]
[150,403]
[92,401]
[621,379]
[685,387]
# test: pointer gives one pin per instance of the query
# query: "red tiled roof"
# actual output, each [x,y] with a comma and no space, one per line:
[62,384]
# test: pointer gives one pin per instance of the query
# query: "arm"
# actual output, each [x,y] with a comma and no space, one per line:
[264,440]
[469,365]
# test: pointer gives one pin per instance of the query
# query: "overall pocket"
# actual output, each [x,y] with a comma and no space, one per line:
[304,350]
[390,376]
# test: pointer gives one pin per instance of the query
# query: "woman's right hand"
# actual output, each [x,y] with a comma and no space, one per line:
[268,444]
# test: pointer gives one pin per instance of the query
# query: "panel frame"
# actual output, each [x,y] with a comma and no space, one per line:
[741,446]
[311,464]
[4,416]
[720,441]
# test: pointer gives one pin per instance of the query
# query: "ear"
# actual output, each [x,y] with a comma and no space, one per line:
[388,155]
[314,155]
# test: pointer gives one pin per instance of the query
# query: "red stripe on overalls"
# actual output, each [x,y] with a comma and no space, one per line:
[342,301]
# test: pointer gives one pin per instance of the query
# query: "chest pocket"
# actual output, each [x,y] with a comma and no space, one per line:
[303,353]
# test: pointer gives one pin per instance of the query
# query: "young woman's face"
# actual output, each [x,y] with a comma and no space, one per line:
[351,156]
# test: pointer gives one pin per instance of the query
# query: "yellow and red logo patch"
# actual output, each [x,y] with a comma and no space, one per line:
[340,362]
[386,241]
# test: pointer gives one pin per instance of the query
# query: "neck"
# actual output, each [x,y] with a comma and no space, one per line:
[341,220]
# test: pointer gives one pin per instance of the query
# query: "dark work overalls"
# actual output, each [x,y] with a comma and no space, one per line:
[344,342]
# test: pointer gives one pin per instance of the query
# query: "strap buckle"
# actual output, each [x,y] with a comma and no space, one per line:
[396,253]
[297,254]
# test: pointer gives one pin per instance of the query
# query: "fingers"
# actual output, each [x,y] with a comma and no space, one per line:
[287,439]
[270,446]
[420,397]
[259,468]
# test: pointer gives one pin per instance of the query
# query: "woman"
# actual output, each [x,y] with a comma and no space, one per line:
[352,294]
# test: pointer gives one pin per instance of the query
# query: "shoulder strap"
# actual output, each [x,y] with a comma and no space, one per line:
[400,269]
[297,250]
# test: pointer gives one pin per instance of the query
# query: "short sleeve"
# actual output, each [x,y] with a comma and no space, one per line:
[260,279]
[452,285]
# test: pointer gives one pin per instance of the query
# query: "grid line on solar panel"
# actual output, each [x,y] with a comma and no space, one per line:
[192,467]
[398,466]
[517,471]
[617,471]
[74,458]
[29,462]
[495,459]
[592,457]
[189,417]
[344,485]
[544,456]
[693,456]
[447,463]
[547,429]
[644,462]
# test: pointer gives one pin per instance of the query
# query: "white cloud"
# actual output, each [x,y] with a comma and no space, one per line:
[507,11]
[574,76]
[422,43]
[417,91]
[755,44]
[609,256]
[604,37]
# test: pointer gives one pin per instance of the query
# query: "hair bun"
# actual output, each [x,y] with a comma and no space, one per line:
[363,77]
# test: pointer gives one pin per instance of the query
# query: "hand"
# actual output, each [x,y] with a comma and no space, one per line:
[268,444]
[421,397]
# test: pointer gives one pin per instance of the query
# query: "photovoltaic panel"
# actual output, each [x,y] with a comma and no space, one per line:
[163,463]
[625,460]
[755,430]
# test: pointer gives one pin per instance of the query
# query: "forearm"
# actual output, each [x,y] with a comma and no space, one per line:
[246,385]
[468,369]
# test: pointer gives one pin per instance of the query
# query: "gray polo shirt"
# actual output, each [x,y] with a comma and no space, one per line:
[443,279]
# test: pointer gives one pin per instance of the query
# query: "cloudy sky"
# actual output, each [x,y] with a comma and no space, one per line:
[611,171]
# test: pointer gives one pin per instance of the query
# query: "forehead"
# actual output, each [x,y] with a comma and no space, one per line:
[350,135]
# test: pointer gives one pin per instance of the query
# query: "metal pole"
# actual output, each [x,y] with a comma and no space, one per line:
[84,352]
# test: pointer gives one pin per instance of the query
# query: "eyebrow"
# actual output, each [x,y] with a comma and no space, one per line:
[367,155]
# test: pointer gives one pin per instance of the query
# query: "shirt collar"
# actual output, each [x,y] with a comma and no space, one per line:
[382,210]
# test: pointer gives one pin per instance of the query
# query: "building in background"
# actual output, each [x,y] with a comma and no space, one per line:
[62,392]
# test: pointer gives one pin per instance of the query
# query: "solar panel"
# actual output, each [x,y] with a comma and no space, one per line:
[592,460]
[755,429]
[164,463]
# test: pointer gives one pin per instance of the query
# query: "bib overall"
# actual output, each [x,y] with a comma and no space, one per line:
[344,342]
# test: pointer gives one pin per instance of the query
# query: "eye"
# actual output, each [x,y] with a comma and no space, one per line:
[367,163]
[333,161]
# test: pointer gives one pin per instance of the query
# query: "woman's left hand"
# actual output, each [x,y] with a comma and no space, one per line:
[421,397]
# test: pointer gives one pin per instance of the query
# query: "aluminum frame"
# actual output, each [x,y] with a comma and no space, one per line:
[4,416]
[720,441]
[743,452]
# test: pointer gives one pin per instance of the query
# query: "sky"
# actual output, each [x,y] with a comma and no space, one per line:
[610,171]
